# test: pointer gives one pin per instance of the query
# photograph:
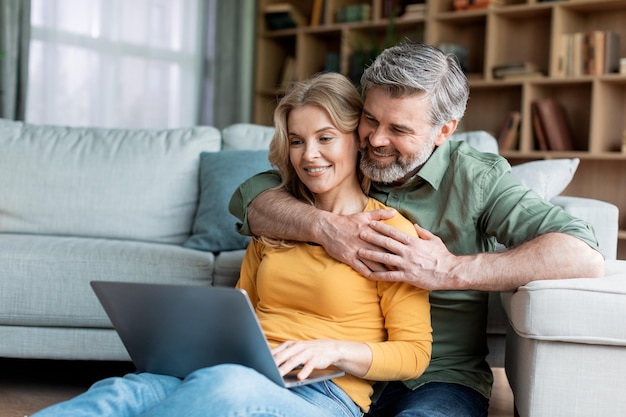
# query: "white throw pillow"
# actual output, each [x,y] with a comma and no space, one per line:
[548,178]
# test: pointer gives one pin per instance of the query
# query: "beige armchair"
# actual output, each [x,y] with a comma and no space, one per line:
[566,347]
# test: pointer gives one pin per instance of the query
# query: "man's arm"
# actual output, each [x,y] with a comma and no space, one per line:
[275,213]
[426,262]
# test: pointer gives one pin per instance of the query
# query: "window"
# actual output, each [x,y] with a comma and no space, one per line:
[115,63]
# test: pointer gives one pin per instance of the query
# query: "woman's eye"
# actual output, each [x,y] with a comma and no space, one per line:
[325,138]
[295,142]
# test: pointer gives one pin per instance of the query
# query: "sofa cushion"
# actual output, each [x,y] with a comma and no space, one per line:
[45,279]
[247,136]
[220,174]
[478,139]
[227,268]
[97,182]
[582,310]
[548,178]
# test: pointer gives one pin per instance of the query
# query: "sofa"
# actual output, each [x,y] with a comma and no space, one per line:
[81,204]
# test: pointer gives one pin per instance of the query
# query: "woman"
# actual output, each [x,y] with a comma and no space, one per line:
[316,312]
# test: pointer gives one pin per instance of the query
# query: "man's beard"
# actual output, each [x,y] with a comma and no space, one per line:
[397,170]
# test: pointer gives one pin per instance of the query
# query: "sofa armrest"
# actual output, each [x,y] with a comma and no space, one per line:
[602,216]
[575,309]
[565,336]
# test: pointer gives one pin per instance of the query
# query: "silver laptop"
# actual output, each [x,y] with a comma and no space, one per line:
[177,329]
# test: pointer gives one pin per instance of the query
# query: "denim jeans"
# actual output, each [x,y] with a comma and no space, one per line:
[223,390]
[434,399]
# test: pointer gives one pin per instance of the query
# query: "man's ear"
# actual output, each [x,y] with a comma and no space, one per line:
[446,131]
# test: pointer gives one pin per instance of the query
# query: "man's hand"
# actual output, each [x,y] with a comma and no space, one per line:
[422,261]
[425,262]
[341,235]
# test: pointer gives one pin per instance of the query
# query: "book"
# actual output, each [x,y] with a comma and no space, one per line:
[522,76]
[316,12]
[611,52]
[540,136]
[509,135]
[288,73]
[593,52]
[563,56]
[595,49]
[332,62]
[478,4]
[354,13]
[577,47]
[556,128]
[514,69]
[414,11]
[283,16]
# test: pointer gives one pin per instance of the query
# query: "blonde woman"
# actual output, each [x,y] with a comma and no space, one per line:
[316,312]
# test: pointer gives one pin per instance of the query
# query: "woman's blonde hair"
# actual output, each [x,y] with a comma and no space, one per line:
[338,97]
[331,92]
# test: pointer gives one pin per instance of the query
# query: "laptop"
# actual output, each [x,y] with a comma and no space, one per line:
[177,329]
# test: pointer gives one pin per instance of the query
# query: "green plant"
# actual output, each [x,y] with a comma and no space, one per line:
[366,48]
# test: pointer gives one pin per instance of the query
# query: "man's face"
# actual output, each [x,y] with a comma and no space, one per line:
[396,138]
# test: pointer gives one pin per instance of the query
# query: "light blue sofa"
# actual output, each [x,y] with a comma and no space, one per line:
[78,204]
[82,204]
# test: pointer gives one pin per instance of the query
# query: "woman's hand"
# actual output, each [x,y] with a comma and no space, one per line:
[351,357]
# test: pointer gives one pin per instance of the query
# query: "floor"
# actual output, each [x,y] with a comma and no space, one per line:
[29,385]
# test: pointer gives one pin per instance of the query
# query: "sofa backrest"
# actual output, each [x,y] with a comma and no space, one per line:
[247,136]
[96,182]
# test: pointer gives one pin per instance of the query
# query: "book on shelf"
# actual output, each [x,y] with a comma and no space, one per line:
[593,52]
[391,8]
[509,135]
[332,62]
[288,73]
[540,135]
[515,70]
[478,4]
[316,12]
[283,16]
[612,49]
[551,124]
[414,11]
[354,13]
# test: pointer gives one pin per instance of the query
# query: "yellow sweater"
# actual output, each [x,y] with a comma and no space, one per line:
[302,293]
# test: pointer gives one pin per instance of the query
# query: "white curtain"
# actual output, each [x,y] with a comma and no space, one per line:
[116,63]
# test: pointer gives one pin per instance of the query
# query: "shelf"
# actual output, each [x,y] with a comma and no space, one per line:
[609,156]
[523,30]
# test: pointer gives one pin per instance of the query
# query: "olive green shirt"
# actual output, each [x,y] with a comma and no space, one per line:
[471,201]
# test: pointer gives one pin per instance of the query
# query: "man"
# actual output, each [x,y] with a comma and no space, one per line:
[462,202]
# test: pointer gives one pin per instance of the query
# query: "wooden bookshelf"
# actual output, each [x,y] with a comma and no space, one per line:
[519,30]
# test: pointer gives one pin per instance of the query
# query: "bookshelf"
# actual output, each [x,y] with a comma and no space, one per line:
[513,31]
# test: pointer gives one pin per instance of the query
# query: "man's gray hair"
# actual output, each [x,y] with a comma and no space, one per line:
[413,68]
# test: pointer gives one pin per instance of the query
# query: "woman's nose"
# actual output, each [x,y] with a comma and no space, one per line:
[311,151]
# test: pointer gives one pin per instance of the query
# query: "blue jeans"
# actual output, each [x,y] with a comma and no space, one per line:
[223,390]
[434,399]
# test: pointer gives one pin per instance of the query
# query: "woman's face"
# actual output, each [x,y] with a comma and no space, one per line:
[323,157]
